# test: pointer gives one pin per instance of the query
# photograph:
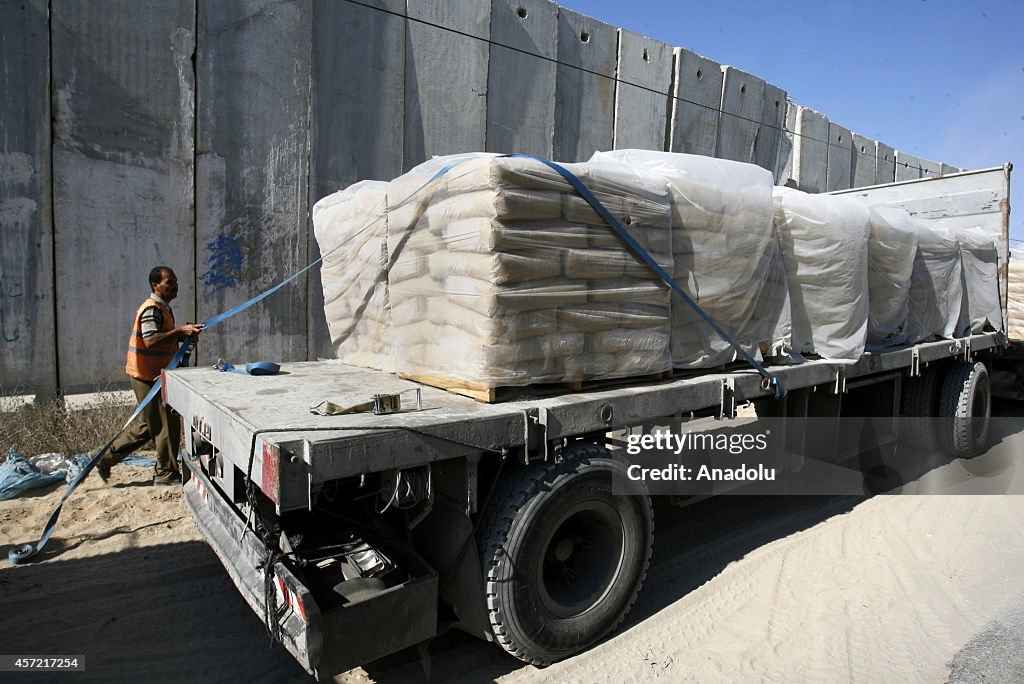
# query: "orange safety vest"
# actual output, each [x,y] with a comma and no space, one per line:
[145,361]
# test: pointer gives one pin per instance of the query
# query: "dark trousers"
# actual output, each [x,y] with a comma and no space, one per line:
[156,422]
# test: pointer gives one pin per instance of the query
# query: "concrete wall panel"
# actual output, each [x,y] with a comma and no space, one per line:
[521,77]
[122,171]
[697,101]
[742,108]
[862,171]
[930,168]
[768,144]
[946,169]
[810,150]
[885,163]
[642,93]
[28,360]
[252,175]
[584,86]
[840,158]
[357,116]
[446,78]
[908,167]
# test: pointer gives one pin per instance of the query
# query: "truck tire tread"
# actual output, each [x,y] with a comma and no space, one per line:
[514,492]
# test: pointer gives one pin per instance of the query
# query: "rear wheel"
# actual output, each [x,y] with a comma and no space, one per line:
[920,404]
[564,557]
[965,407]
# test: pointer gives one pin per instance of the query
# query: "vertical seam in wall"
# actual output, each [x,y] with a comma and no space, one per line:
[307,218]
[666,144]
[487,77]
[615,91]
[53,200]
[195,164]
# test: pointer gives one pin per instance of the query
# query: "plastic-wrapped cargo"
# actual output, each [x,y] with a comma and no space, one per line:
[936,288]
[723,249]
[824,242]
[351,230]
[892,245]
[502,275]
[1015,301]
[981,279]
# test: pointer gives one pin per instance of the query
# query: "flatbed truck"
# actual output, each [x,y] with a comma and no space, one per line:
[356,535]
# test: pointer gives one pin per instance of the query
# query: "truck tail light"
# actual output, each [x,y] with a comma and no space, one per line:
[270,482]
[286,596]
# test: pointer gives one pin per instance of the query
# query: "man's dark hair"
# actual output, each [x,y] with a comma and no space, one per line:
[157,274]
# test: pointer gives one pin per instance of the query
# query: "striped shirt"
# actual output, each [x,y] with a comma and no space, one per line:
[153,318]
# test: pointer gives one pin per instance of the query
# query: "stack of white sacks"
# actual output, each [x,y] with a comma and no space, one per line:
[493,271]
[503,275]
[1015,303]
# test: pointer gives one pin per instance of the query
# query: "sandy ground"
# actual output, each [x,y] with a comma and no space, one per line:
[741,589]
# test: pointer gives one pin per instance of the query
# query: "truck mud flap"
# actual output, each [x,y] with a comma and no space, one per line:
[342,636]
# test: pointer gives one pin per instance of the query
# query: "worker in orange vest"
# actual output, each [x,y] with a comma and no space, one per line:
[153,342]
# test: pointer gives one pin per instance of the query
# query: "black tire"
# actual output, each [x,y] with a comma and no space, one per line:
[965,408]
[919,399]
[564,558]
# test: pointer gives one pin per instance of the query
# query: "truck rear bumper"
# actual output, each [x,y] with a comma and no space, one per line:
[325,641]
[243,554]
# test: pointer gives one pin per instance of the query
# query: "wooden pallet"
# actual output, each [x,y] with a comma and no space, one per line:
[489,394]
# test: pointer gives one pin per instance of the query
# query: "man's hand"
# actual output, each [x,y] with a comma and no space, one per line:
[190,330]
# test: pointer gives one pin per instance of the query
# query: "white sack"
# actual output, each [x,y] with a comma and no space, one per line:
[936,288]
[892,244]
[824,242]
[981,279]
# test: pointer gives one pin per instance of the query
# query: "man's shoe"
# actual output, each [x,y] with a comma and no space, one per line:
[166,480]
[104,473]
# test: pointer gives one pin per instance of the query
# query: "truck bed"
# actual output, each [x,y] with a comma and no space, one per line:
[240,414]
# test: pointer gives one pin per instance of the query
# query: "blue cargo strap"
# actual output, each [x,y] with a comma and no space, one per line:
[255,368]
[640,252]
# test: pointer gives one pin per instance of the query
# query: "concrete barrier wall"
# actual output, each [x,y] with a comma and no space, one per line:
[584,86]
[123,95]
[28,352]
[199,133]
[642,91]
[696,104]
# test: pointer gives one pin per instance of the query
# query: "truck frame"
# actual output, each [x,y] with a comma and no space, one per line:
[354,536]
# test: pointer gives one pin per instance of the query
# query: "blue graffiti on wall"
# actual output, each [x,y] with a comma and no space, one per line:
[224,261]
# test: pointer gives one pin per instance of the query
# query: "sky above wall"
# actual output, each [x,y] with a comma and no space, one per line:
[938,79]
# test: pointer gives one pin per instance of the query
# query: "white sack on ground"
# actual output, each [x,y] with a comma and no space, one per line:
[892,244]
[936,288]
[723,248]
[981,279]
[824,242]
[515,282]
[351,231]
